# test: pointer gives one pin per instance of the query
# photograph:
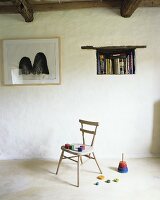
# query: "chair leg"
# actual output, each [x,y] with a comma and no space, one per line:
[60,160]
[81,160]
[97,163]
[78,171]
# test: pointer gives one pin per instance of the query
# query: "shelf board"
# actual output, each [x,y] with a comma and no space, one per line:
[113,47]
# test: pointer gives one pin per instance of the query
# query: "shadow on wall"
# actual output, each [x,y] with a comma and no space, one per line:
[155,146]
[1,67]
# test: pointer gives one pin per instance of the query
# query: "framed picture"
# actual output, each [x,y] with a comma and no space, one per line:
[31,61]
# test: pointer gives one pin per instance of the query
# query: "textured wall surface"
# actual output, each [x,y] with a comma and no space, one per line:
[36,120]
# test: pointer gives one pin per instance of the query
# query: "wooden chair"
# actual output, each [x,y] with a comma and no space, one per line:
[89,150]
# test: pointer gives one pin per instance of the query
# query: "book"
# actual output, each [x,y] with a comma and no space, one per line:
[109,66]
[98,63]
[116,67]
[122,66]
[102,64]
[131,63]
[128,64]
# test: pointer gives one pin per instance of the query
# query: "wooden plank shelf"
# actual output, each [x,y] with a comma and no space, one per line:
[112,47]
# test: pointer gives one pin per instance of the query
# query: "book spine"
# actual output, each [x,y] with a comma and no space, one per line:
[108,65]
[102,64]
[105,66]
[131,63]
[116,66]
[121,65]
[128,64]
[98,63]
[134,59]
[111,66]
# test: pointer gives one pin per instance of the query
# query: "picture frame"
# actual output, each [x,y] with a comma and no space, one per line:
[31,61]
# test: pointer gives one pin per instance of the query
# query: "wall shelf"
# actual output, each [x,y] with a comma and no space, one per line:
[115,60]
[113,47]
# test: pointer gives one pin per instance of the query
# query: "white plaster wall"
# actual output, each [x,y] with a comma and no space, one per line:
[36,120]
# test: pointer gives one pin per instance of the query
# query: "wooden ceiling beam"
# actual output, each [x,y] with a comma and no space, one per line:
[75,5]
[128,7]
[8,9]
[42,6]
[149,3]
[24,8]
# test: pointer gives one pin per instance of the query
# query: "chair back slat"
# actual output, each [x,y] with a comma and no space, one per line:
[90,124]
[87,131]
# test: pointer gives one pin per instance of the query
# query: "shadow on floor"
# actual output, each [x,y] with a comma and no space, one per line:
[155,146]
[46,169]
[39,166]
[113,168]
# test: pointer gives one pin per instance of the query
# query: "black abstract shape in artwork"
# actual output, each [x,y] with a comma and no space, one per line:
[25,66]
[40,64]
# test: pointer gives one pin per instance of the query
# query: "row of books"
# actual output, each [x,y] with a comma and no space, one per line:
[120,63]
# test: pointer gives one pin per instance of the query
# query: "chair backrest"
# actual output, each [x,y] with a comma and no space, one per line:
[91,129]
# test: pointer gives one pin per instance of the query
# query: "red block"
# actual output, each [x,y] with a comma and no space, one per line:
[67,146]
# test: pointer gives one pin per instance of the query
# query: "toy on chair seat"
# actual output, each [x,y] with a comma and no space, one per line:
[74,147]
[122,168]
[67,146]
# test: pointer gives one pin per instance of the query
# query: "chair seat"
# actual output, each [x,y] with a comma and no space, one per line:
[88,149]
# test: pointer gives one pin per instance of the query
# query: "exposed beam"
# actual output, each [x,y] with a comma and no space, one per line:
[128,7]
[39,6]
[149,3]
[75,5]
[25,9]
[8,9]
